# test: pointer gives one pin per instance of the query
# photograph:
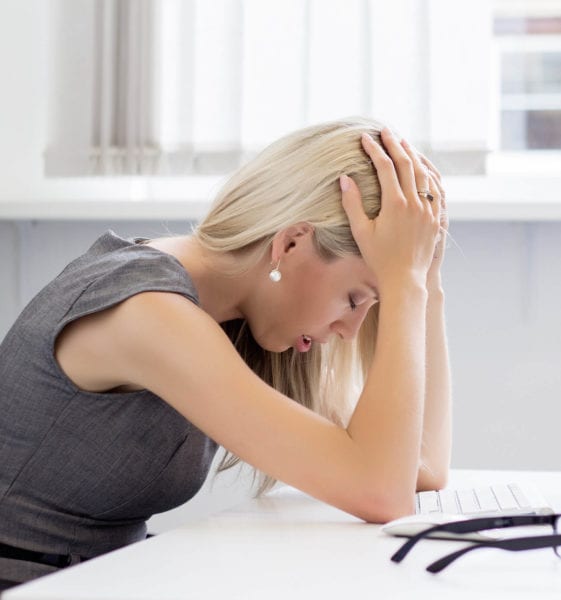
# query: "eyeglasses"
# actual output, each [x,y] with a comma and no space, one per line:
[515,544]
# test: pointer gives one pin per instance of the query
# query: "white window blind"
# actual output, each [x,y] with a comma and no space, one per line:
[123,128]
[177,87]
[181,87]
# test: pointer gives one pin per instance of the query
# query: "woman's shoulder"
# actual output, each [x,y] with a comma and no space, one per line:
[127,287]
[103,350]
[114,269]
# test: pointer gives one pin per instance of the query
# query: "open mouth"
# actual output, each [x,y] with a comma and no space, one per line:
[304,343]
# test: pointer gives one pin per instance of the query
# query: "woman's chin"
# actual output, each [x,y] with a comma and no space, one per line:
[277,349]
[270,342]
[272,346]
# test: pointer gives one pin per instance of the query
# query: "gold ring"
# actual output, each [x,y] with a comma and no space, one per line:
[426,195]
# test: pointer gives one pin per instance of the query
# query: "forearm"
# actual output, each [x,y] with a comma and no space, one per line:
[436,438]
[388,420]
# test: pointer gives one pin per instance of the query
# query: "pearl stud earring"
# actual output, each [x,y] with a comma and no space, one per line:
[275,275]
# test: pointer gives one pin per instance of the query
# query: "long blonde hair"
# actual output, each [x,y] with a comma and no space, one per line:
[296,179]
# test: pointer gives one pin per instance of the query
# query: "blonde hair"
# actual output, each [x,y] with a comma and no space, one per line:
[296,179]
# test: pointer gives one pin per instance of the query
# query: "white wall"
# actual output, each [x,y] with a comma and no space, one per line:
[504,324]
[503,285]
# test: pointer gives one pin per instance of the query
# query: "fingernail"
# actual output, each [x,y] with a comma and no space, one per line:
[344,183]
[366,137]
[405,144]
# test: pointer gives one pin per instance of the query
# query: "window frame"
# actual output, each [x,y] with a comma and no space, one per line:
[530,162]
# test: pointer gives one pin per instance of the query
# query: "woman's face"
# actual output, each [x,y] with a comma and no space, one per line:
[314,300]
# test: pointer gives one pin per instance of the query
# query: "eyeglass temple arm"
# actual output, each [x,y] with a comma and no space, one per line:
[469,526]
[466,526]
[512,545]
[404,550]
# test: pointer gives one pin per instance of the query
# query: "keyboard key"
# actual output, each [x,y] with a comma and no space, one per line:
[428,502]
[486,498]
[468,503]
[448,502]
[504,497]
[519,495]
[489,499]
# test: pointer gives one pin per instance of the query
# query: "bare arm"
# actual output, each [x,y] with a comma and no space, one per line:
[388,420]
[437,425]
[389,417]
[436,443]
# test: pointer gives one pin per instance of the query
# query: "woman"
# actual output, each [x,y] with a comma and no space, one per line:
[316,271]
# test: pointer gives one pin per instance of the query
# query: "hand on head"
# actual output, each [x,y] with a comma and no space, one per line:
[400,242]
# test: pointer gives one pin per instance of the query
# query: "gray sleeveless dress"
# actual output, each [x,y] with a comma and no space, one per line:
[80,472]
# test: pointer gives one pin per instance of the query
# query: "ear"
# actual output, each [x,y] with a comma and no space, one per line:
[291,239]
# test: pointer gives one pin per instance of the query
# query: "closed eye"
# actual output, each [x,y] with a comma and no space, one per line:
[352,303]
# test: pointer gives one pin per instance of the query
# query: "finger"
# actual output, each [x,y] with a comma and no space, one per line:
[422,178]
[402,162]
[385,170]
[440,187]
[435,204]
[440,238]
[429,164]
[432,173]
[436,176]
[352,204]
[436,185]
[440,217]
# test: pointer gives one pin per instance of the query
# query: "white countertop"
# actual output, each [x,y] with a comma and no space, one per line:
[288,545]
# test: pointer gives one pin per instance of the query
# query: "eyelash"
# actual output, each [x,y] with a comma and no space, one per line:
[352,303]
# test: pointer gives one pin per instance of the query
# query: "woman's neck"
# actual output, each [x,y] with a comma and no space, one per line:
[221,295]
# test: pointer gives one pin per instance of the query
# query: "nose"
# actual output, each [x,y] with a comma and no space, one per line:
[348,326]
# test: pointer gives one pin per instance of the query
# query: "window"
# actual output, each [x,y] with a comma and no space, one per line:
[527,39]
[191,87]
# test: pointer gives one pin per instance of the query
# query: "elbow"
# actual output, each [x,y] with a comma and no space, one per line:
[431,480]
[378,507]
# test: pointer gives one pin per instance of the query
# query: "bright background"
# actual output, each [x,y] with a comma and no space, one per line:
[128,115]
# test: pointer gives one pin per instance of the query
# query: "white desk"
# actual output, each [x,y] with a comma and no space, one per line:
[289,545]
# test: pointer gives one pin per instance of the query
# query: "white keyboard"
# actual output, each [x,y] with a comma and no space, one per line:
[509,498]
